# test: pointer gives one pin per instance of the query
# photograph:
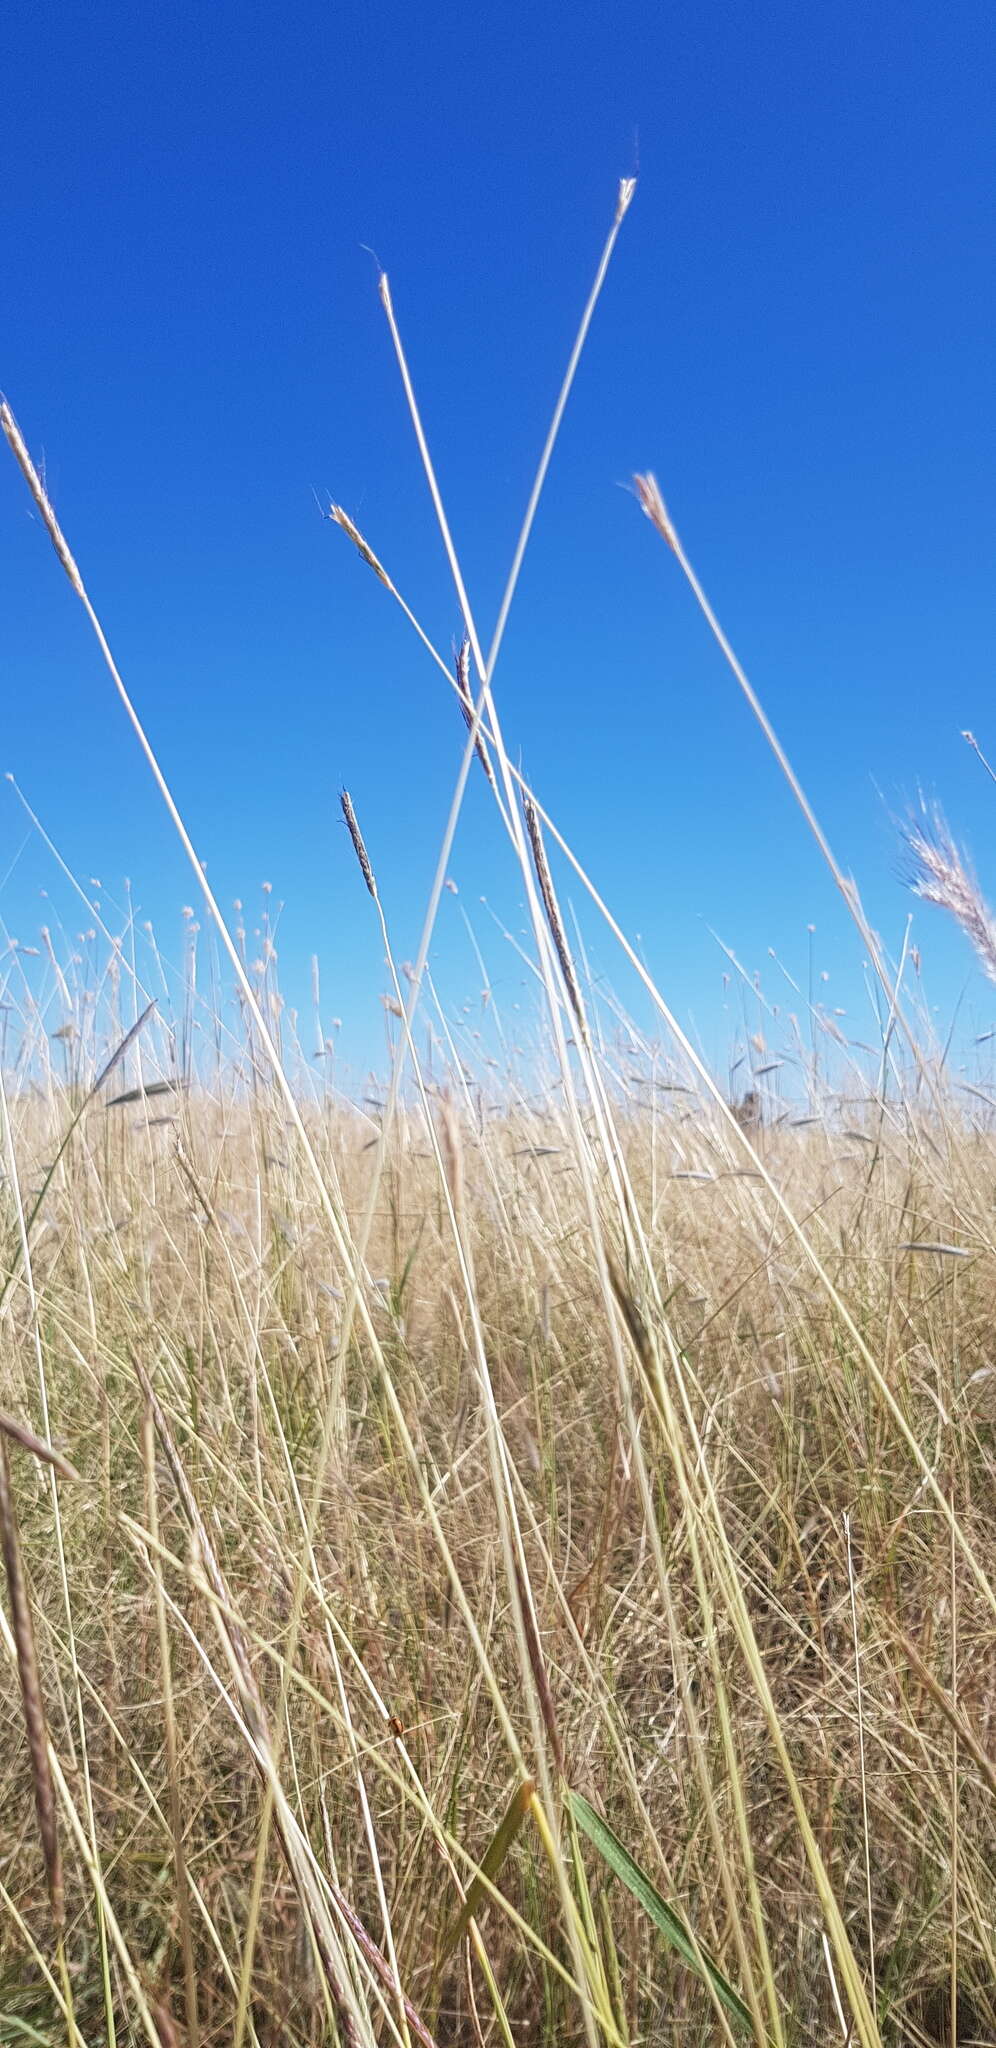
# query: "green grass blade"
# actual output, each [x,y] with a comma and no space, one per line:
[663,1916]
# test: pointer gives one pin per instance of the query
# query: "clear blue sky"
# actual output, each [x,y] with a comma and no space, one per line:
[797,336]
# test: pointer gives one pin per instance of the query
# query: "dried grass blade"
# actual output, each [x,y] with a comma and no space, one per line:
[31,1693]
[252,1704]
[947,1251]
[144,1094]
[953,1714]
[19,1433]
[32,1215]
[118,1055]
[491,1863]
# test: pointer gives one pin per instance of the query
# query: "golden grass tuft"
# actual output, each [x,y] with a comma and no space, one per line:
[829,1528]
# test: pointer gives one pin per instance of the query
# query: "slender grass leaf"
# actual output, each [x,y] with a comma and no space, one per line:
[32,1216]
[119,1052]
[142,1094]
[494,1856]
[663,1916]
[19,1433]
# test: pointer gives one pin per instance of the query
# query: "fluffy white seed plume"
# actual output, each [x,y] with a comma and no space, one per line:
[939,872]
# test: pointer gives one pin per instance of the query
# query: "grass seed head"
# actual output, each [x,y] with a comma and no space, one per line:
[356,836]
[940,873]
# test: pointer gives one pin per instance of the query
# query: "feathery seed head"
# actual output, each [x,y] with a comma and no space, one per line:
[940,873]
[341,518]
[648,492]
[627,187]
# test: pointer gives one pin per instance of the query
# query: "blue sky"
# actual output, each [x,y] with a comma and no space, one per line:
[796,335]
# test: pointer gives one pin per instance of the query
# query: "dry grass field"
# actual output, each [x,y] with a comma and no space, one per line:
[509,1562]
[649,1509]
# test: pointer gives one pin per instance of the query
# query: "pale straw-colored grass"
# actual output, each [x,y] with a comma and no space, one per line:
[551,1429]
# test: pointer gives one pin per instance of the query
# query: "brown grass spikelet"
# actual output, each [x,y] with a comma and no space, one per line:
[165,2027]
[31,1692]
[375,1956]
[537,1663]
[31,477]
[648,491]
[553,917]
[342,519]
[462,666]
[356,836]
